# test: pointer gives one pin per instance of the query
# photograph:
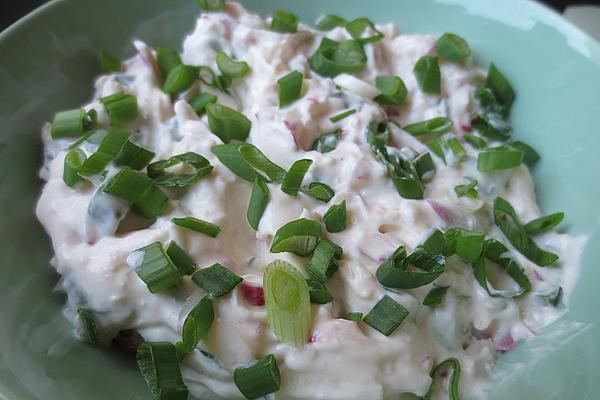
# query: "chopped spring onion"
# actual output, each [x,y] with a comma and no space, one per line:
[342,115]
[299,237]
[319,191]
[386,316]
[258,202]
[354,316]
[109,62]
[319,294]
[196,324]
[200,102]
[216,280]
[95,164]
[229,156]
[363,30]
[326,142]
[499,158]
[466,244]
[434,126]
[109,148]
[435,243]
[259,379]
[475,141]
[489,102]
[492,126]
[72,123]
[448,148]
[134,156]
[89,326]
[154,267]
[330,21]
[499,254]
[378,133]
[335,218]
[181,259]
[452,47]
[500,86]
[208,77]
[435,296]
[197,225]
[530,156]
[324,260]
[394,272]
[427,73]
[261,164]
[167,59]
[392,88]
[230,67]
[180,79]
[290,88]
[436,373]
[287,298]
[72,165]
[543,224]
[138,190]
[469,190]
[201,165]
[293,178]
[227,123]
[211,5]
[284,22]
[507,220]
[121,108]
[159,365]
[333,58]
[424,166]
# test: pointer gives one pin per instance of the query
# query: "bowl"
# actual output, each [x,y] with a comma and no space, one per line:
[48,62]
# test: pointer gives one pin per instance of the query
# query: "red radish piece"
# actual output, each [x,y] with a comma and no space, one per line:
[254,295]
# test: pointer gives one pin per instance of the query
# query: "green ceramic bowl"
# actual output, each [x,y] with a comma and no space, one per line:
[48,62]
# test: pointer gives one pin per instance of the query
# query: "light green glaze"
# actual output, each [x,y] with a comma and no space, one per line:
[47,63]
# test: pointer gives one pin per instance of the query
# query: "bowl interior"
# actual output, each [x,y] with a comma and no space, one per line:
[48,62]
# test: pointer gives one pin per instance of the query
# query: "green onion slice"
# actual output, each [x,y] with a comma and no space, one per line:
[284,22]
[229,156]
[197,225]
[335,218]
[88,322]
[167,59]
[435,243]
[319,294]
[258,202]
[386,316]
[259,379]
[95,164]
[138,190]
[452,47]
[378,134]
[363,30]
[393,91]
[499,159]
[327,142]
[200,102]
[197,323]
[181,259]
[435,296]
[324,260]
[211,5]
[227,123]
[299,237]
[468,190]
[180,79]
[154,267]
[489,102]
[499,254]
[394,272]
[290,88]
[424,166]
[434,126]
[448,148]
[159,365]
[330,21]
[134,156]
[74,160]
[319,191]
[201,165]
[492,126]
[500,86]
[293,178]
[109,62]
[466,244]
[453,392]
[261,164]
[342,115]
[230,67]
[121,108]
[475,141]
[530,156]
[216,280]
[354,316]
[427,73]
[72,123]
[543,224]
[333,58]
[507,220]
[287,298]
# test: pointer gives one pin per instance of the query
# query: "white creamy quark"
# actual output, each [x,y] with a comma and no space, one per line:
[93,235]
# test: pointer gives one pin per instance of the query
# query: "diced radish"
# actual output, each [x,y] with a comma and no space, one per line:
[254,295]
[128,340]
